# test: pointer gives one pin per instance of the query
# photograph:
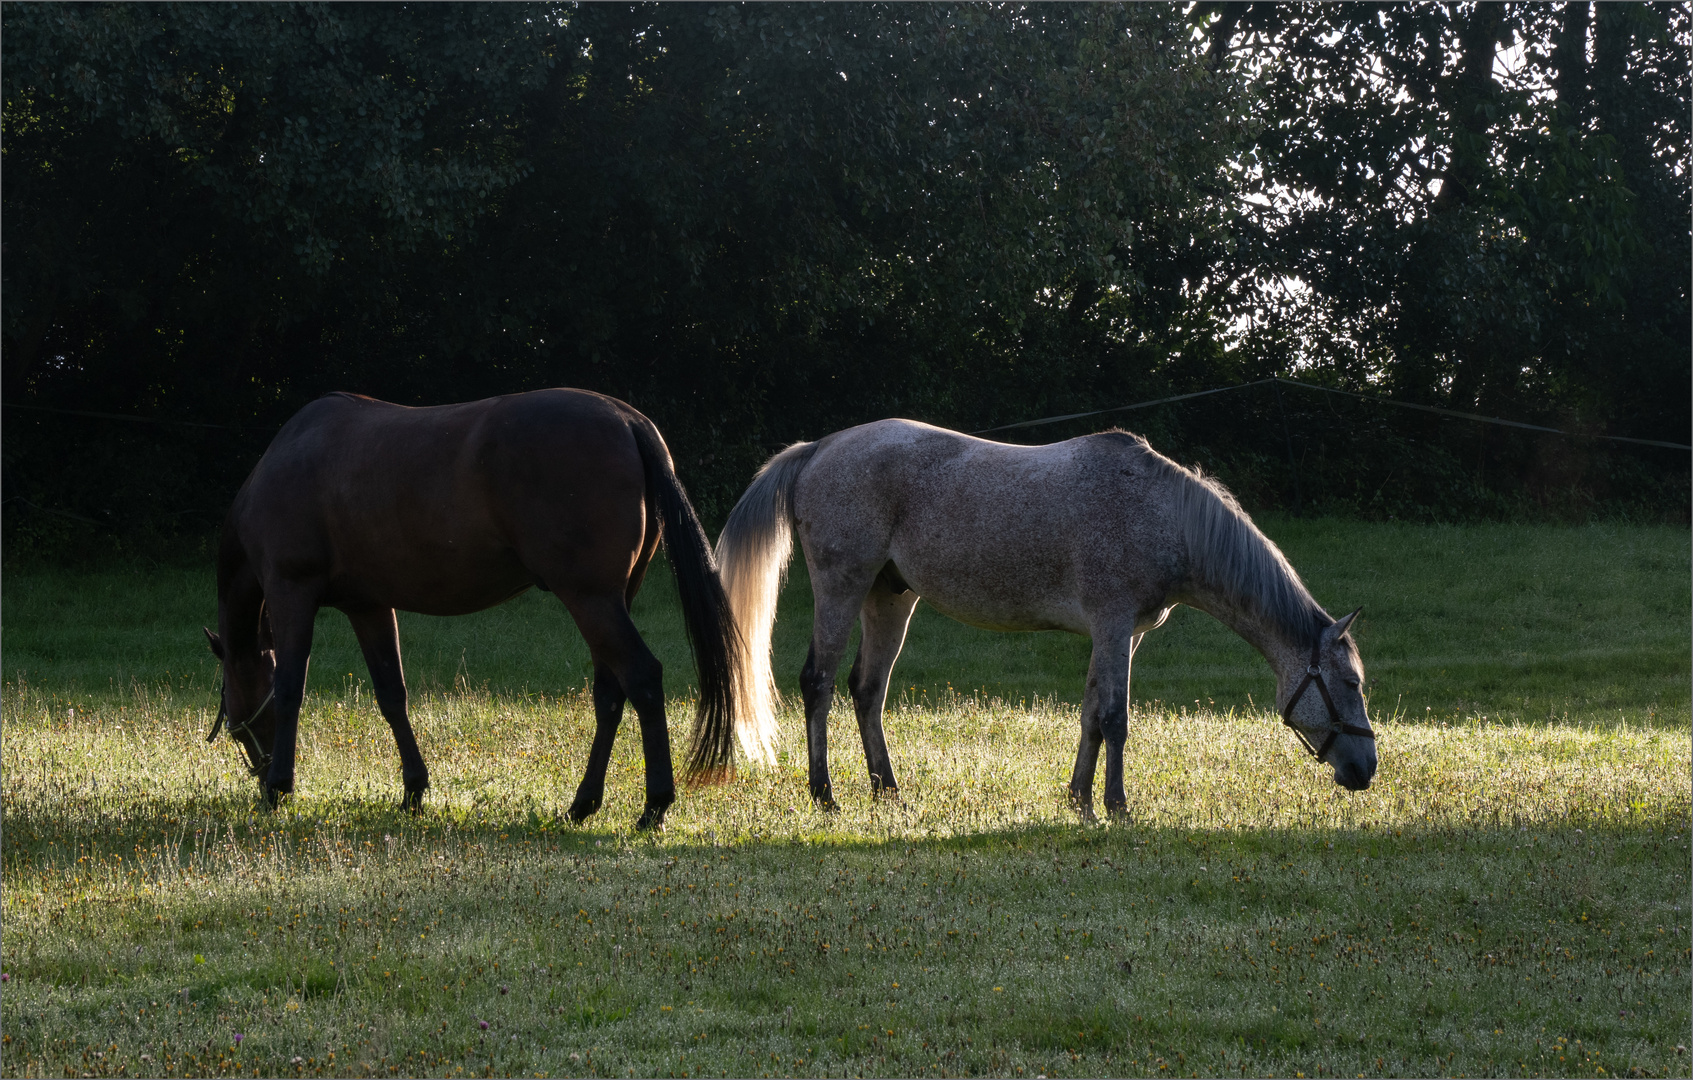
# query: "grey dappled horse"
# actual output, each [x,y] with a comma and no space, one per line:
[1099,535]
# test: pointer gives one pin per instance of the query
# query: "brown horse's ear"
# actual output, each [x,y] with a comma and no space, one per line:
[212,640]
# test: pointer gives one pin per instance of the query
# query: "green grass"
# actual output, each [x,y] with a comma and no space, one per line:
[1510,898]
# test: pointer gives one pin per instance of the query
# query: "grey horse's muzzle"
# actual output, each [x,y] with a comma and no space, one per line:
[1353,771]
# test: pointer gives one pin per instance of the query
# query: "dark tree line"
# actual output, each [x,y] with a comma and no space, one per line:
[765,223]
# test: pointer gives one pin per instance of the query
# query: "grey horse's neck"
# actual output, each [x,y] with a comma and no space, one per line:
[1237,574]
[1287,648]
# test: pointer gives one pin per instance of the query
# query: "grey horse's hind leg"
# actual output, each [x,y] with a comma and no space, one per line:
[885,615]
[829,632]
[1105,720]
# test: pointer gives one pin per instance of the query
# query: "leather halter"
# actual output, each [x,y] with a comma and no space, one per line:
[1338,727]
[236,731]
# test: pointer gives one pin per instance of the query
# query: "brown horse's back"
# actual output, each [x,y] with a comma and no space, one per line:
[454,508]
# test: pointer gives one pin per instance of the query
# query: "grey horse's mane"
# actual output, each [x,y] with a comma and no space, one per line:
[1227,552]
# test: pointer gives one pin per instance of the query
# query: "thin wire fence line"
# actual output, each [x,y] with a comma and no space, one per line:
[1481,419]
[1476,417]
[1122,408]
[125,417]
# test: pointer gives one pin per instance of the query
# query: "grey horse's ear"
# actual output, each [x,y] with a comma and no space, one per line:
[1339,628]
[212,640]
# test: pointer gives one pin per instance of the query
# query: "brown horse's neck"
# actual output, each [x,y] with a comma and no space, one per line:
[242,625]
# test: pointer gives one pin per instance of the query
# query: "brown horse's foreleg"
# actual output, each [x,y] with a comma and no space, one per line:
[291,610]
[608,713]
[616,646]
[379,639]
[885,616]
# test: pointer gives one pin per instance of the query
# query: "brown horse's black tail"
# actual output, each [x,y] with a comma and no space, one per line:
[705,610]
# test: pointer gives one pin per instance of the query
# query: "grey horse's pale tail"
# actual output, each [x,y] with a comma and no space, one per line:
[752,557]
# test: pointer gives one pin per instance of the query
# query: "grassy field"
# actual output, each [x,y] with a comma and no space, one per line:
[1510,898]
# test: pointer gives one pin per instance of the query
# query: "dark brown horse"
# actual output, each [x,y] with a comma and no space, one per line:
[370,507]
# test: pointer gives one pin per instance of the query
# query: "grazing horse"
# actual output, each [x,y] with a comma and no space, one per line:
[371,507]
[1099,535]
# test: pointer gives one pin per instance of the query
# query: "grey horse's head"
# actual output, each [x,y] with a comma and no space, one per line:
[1328,709]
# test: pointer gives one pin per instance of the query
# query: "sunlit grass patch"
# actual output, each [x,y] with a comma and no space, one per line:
[1503,891]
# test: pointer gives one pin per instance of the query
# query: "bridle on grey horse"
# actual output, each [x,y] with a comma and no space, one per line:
[1314,674]
[236,731]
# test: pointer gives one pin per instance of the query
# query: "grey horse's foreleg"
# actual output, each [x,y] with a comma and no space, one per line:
[1105,722]
[1114,725]
[885,615]
[1087,753]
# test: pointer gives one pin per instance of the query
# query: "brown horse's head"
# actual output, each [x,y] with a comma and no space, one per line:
[247,703]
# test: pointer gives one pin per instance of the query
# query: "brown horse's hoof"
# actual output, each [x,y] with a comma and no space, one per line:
[583,809]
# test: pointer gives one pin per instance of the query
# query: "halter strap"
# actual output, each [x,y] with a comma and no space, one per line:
[235,731]
[1338,727]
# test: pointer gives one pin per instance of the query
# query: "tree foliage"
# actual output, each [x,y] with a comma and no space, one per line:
[761,223]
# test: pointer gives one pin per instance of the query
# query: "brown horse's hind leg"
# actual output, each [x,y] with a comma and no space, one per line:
[617,648]
[379,639]
[291,609]
[608,713]
[885,615]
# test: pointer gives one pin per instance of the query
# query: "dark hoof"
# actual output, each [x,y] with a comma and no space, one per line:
[825,803]
[272,796]
[1117,813]
[651,818]
[583,809]
[413,800]
[884,791]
